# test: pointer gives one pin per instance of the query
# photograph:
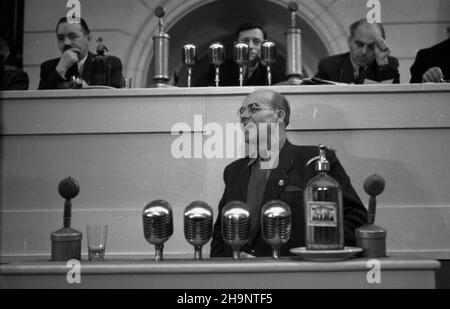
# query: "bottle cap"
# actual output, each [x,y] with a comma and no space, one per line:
[322,164]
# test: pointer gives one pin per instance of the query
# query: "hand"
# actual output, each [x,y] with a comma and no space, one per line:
[84,84]
[68,58]
[433,75]
[382,52]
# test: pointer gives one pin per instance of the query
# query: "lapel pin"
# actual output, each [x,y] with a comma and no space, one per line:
[281,182]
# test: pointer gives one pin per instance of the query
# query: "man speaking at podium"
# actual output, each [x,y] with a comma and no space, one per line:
[247,182]
[76,60]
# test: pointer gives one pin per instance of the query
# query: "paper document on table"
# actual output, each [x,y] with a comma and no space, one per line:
[370,82]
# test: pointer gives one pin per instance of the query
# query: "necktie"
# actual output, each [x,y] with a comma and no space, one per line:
[255,194]
[361,75]
[73,71]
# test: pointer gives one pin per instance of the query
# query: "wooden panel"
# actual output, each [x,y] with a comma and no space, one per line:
[156,110]
[117,144]
[290,273]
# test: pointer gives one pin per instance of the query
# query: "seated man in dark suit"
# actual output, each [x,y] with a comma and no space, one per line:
[11,78]
[432,64]
[255,72]
[76,59]
[368,58]
[248,181]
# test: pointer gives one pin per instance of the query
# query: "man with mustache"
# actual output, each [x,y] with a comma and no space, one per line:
[368,57]
[76,60]
[255,72]
[259,178]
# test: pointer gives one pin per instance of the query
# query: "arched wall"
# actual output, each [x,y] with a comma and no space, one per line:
[324,21]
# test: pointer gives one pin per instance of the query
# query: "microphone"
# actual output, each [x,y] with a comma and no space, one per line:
[240,55]
[373,185]
[276,225]
[293,7]
[216,54]
[66,242]
[68,188]
[236,226]
[158,225]
[293,47]
[198,225]
[189,56]
[268,56]
[161,50]
[370,237]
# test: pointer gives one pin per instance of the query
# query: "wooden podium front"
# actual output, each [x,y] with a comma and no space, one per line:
[118,145]
[220,273]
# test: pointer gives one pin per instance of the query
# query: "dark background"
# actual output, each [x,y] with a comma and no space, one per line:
[11,29]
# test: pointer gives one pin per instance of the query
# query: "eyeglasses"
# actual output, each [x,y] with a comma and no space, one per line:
[252,108]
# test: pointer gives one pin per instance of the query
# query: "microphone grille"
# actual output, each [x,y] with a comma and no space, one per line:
[240,52]
[292,6]
[276,222]
[236,222]
[198,223]
[374,185]
[268,52]
[189,54]
[68,188]
[158,222]
[216,53]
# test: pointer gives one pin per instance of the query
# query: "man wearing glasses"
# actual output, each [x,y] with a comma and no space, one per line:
[255,72]
[251,181]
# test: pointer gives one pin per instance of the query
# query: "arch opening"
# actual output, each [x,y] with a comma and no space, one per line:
[218,20]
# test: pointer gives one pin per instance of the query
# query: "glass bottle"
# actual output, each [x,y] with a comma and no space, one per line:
[323,208]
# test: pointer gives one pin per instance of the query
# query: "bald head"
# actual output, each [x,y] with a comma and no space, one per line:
[273,99]
[375,29]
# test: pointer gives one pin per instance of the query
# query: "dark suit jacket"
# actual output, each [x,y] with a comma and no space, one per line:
[229,75]
[50,79]
[292,170]
[435,56]
[339,68]
[12,78]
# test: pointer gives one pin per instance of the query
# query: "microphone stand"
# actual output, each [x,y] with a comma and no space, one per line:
[161,53]
[293,49]
[159,252]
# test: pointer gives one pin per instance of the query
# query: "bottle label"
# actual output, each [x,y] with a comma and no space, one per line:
[322,214]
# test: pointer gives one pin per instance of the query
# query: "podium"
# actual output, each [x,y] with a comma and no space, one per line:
[221,273]
[117,144]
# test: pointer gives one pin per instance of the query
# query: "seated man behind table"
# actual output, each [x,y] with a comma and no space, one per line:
[255,72]
[11,78]
[432,65]
[368,57]
[76,59]
[245,181]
